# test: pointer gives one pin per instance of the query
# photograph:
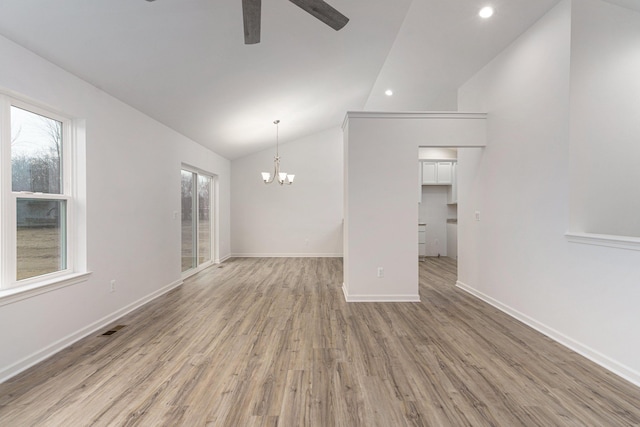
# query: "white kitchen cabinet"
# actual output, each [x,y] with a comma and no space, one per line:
[437,173]
[429,173]
[444,172]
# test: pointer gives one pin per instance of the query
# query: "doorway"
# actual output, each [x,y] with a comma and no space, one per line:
[450,205]
[438,207]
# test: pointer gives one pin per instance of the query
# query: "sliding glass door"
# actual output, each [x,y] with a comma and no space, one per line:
[204,219]
[197,219]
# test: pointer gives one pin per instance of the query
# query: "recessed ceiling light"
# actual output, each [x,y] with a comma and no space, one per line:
[486,12]
[388,92]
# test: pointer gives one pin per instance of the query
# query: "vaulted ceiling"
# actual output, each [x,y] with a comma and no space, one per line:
[185,63]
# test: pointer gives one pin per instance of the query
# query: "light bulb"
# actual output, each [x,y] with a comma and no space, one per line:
[486,12]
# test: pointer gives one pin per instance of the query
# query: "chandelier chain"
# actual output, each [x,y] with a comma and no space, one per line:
[277,123]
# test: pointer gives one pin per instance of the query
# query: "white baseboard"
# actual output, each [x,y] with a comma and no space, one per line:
[223,259]
[378,298]
[606,362]
[50,350]
[292,255]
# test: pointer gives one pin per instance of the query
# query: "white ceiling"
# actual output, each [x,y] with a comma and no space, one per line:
[184,62]
[444,43]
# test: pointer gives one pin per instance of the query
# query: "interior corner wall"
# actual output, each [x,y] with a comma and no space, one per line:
[517,257]
[299,220]
[132,191]
[605,125]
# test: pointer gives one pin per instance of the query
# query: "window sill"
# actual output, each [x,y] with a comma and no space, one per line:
[9,296]
[608,240]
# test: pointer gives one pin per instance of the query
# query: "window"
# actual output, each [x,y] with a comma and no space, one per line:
[37,195]
[196,196]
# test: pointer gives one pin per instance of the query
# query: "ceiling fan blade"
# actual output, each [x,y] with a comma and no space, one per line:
[251,16]
[324,12]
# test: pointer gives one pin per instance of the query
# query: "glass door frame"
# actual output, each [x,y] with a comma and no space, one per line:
[213,220]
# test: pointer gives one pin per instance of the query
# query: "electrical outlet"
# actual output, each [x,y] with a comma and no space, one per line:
[112,286]
[477,215]
[380,272]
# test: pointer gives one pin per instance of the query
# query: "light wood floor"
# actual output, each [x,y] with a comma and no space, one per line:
[271,342]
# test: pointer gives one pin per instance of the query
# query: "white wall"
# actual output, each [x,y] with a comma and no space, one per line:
[605,125]
[381,212]
[133,187]
[516,256]
[452,240]
[302,219]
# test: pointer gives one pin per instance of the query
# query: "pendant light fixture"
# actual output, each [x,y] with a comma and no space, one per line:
[282,177]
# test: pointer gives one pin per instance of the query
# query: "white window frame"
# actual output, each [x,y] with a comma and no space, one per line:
[11,288]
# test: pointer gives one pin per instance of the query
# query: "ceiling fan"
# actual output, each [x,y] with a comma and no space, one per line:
[251,10]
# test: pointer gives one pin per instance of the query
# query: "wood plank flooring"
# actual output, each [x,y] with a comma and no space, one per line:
[271,342]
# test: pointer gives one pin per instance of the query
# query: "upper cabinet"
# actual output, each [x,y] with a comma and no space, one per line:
[445,172]
[429,173]
[437,173]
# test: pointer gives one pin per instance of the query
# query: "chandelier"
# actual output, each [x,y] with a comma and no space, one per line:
[283,177]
